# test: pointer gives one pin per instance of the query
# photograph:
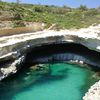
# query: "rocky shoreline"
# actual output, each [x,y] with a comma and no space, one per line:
[15,47]
[93,93]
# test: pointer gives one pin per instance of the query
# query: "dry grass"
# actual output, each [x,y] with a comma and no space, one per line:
[19,30]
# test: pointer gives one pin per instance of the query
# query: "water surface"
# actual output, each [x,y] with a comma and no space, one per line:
[62,82]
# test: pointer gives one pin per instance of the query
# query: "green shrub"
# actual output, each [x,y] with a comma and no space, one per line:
[63,17]
[83,7]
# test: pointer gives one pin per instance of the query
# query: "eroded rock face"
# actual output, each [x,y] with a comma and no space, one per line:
[14,46]
[65,52]
[11,68]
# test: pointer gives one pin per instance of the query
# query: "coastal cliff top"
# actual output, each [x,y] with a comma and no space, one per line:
[91,32]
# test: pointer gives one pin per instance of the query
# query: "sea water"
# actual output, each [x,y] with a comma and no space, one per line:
[63,82]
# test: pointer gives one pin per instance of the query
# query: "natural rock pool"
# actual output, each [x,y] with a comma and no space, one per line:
[62,81]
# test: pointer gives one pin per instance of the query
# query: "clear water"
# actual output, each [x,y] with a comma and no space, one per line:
[63,82]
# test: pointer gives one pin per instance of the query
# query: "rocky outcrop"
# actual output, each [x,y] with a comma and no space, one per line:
[93,93]
[11,68]
[13,47]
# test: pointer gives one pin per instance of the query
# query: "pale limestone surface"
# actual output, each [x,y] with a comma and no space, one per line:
[88,37]
[93,93]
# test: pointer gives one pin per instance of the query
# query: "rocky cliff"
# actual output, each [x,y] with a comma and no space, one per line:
[15,47]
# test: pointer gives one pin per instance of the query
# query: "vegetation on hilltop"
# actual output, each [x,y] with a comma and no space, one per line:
[64,17]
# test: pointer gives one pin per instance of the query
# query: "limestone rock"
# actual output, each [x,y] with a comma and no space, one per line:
[14,46]
[93,93]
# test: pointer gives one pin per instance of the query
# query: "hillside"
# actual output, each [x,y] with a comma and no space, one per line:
[14,15]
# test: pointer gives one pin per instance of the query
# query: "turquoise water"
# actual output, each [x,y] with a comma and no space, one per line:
[63,82]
